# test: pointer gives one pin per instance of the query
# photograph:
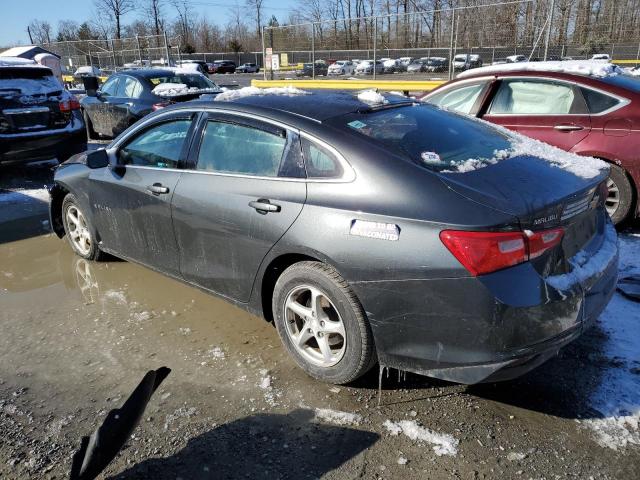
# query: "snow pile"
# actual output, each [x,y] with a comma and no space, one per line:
[169,89]
[288,91]
[585,266]
[188,67]
[443,444]
[592,68]
[371,97]
[635,72]
[337,417]
[17,62]
[617,398]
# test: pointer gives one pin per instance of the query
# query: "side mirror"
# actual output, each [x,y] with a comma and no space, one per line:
[98,159]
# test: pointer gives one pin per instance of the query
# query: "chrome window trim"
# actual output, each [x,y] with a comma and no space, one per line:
[348,174]
[622,101]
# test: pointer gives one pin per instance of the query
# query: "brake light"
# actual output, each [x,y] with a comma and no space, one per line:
[158,106]
[485,252]
[68,105]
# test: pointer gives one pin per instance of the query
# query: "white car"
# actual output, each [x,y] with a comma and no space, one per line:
[516,59]
[602,56]
[366,67]
[341,67]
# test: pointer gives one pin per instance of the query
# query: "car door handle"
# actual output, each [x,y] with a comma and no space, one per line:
[568,128]
[263,205]
[157,189]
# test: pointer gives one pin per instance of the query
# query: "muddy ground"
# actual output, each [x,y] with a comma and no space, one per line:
[76,337]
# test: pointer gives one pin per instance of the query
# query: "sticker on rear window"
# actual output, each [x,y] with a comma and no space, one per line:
[357,124]
[431,158]
[378,230]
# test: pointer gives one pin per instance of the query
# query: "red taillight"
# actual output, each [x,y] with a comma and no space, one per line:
[486,252]
[158,106]
[68,105]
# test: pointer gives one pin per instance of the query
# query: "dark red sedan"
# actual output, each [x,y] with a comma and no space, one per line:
[595,112]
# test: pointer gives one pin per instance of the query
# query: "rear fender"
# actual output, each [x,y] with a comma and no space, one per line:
[57,194]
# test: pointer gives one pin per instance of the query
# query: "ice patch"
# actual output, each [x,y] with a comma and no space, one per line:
[592,68]
[371,97]
[443,444]
[116,296]
[287,91]
[337,417]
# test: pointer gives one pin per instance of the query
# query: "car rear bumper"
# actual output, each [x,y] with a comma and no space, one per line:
[27,147]
[482,329]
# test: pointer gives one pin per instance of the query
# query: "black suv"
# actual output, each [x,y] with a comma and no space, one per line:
[39,119]
[224,66]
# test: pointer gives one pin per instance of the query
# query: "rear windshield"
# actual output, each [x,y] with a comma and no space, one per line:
[431,137]
[190,80]
[27,81]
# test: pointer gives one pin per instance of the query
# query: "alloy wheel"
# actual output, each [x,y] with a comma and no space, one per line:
[78,230]
[613,198]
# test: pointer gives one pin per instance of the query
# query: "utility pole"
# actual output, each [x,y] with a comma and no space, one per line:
[166,48]
[139,51]
[548,36]
[30,37]
[375,35]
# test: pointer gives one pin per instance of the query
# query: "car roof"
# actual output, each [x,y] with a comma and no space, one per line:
[147,72]
[585,68]
[318,105]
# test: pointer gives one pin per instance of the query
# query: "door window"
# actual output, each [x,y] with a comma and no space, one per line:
[159,146]
[536,97]
[129,88]
[319,161]
[233,148]
[110,87]
[459,99]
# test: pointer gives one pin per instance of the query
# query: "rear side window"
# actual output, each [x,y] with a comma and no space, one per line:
[598,102]
[159,146]
[533,97]
[110,87]
[129,87]
[320,162]
[233,148]
[459,99]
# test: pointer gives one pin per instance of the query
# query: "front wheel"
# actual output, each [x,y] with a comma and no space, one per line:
[322,324]
[78,229]
[619,201]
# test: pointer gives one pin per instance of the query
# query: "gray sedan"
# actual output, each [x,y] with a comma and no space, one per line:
[368,231]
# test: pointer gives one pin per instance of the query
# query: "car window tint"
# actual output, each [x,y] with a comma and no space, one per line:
[232,148]
[129,87]
[159,146]
[526,97]
[598,102]
[319,161]
[459,99]
[110,86]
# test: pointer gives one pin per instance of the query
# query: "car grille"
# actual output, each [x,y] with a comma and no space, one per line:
[30,118]
[577,206]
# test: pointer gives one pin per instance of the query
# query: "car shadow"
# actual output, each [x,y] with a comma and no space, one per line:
[259,446]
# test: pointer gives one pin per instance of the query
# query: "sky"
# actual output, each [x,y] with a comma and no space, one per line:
[16,14]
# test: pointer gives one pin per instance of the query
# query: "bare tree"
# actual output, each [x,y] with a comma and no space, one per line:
[153,11]
[256,5]
[40,31]
[115,9]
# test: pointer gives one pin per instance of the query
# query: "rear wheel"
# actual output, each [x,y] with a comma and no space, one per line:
[321,323]
[78,229]
[620,198]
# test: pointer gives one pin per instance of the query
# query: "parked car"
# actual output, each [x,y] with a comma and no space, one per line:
[366,67]
[601,56]
[202,66]
[516,59]
[39,119]
[248,68]
[341,67]
[87,70]
[128,96]
[418,65]
[223,66]
[436,64]
[389,65]
[374,244]
[406,61]
[466,61]
[584,114]
[307,70]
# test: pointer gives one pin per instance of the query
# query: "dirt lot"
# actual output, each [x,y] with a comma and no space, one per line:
[78,336]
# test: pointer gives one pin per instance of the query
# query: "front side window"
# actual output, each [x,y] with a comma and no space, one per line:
[533,97]
[598,102]
[459,99]
[320,162]
[159,146]
[233,148]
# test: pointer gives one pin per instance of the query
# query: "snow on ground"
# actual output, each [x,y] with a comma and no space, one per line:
[443,444]
[14,197]
[288,91]
[617,397]
[371,97]
[593,68]
[337,417]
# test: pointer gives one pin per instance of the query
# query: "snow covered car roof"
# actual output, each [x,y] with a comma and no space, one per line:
[580,67]
[18,62]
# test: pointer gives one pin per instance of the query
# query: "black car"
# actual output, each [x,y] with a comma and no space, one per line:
[128,96]
[307,69]
[39,119]
[223,66]
[376,230]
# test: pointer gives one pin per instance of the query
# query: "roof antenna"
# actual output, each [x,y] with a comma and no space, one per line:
[97,451]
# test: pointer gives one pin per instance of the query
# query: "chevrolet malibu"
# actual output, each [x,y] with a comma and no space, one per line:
[368,229]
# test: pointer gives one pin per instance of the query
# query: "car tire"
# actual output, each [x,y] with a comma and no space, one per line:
[91,133]
[343,354]
[80,233]
[620,199]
